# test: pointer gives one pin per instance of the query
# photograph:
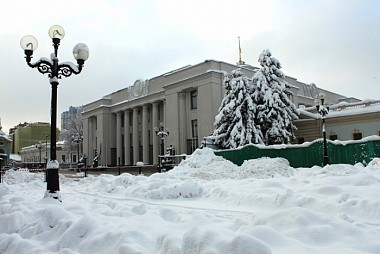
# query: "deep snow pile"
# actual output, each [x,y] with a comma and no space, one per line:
[204,164]
[205,205]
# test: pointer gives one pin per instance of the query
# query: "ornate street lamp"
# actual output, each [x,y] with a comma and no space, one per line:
[55,71]
[162,134]
[323,111]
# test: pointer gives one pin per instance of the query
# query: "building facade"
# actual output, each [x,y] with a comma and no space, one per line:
[5,147]
[73,113]
[28,134]
[345,121]
[37,155]
[72,132]
[122,127]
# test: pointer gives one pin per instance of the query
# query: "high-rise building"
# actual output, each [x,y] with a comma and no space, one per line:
[67,116]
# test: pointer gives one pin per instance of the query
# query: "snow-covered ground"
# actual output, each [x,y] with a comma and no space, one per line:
[205,205]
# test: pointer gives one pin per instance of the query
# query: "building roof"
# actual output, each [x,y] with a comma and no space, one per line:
[344,109]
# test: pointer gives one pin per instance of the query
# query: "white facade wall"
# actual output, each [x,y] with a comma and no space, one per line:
[345,131]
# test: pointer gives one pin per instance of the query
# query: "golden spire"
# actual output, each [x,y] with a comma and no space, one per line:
[240,61]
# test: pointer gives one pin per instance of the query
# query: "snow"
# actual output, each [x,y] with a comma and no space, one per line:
[204,205]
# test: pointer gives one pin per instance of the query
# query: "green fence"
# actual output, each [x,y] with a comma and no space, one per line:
[309,154]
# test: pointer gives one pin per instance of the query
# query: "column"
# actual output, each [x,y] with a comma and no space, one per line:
[182,123]
[91,139]
[86,137]
[135,136]
[156,145]
[127,140]
[145,135]
[164,121]
[119,148]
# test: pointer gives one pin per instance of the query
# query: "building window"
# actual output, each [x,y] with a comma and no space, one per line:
[333,137]
[194,128]
[357,135]
[194,99]
[63,158]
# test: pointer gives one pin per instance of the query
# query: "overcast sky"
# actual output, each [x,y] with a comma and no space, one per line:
[335,44]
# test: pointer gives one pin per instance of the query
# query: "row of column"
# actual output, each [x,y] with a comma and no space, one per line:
[132,130]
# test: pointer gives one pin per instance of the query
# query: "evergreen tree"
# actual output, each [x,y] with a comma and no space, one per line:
[235,124]
[276,112]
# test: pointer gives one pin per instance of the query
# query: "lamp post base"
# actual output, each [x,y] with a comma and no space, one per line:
[52,190]
[325,160]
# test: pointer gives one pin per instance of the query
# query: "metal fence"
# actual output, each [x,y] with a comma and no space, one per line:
[308,154]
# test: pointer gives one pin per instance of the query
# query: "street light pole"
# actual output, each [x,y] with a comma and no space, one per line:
[162,134]
[55,71]
[39,147]
[46,155]
[78,140]
[1,170]
[323,111]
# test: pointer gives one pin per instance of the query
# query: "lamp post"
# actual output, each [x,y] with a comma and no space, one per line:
[323,111]
[46,156]
[1,170]
[46,153]
[39,147]
[55,71]
[78,140]
[162,134]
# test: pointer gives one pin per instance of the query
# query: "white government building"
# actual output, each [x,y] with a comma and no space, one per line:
[121,127]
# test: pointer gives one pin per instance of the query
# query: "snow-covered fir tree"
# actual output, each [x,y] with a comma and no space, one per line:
[276,112]
[235,124]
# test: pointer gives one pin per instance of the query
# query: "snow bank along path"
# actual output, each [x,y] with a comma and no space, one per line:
[204,205]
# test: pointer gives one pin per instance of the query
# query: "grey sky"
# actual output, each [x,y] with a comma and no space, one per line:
[335,44]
